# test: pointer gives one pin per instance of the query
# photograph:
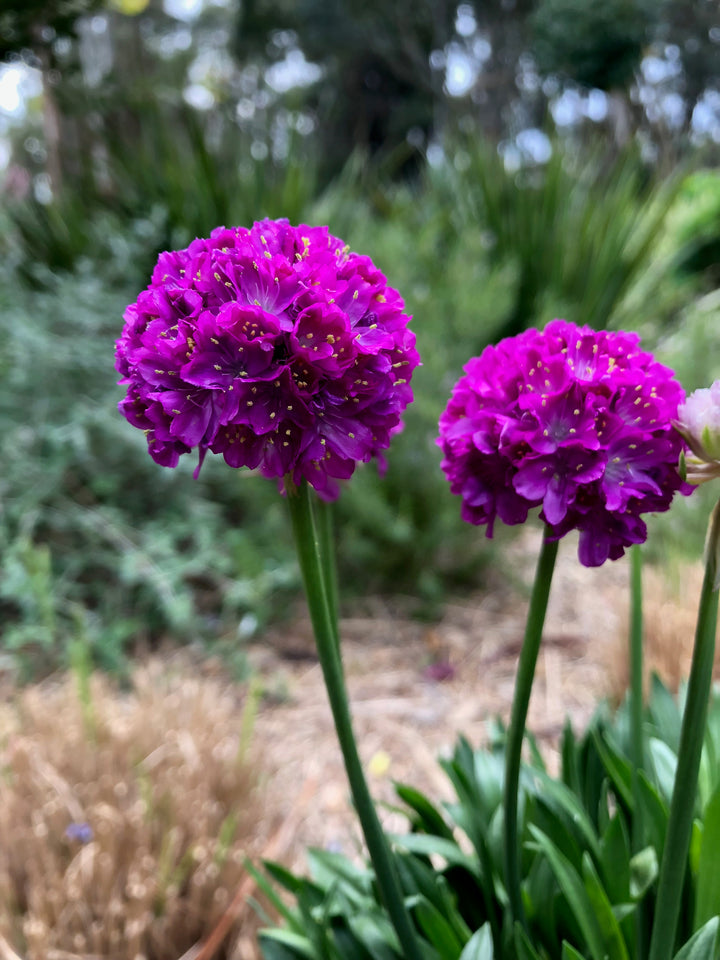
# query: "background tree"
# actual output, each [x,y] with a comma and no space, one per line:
[378,88]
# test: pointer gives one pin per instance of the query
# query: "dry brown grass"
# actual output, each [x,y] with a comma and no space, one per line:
[670,602]
[162,778]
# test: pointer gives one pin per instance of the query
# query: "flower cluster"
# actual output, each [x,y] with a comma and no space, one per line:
[276,347]
[576,421]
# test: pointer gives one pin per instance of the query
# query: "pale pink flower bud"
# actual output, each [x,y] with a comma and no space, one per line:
[699,424]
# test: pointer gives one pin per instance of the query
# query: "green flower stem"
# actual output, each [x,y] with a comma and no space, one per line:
[314,571]
[518,716]
[637,750]
[692,733]
[636,687]
[326,533]
[636,658]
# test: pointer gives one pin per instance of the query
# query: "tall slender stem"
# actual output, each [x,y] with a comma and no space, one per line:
[326,533]
[518,716]
[314,572]
[692,733]
[636,660]
[637,749]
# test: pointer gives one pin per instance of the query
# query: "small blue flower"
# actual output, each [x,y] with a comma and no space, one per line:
[81,832]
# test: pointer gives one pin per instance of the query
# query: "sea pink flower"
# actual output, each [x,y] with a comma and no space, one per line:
[276,347]
[572,420]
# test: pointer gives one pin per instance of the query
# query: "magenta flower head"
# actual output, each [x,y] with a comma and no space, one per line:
[276,347]
[572,420]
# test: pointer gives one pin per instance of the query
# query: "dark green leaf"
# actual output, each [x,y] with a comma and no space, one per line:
[376,935]
[489,774]
[603,814]
[664,713]
[288,915]
[523,947]
[327,868]
[593,776]
[283,876]
[615,946]
[425,845]
[437,929]
[539,894]
[429,817]
[480,945]
[703,945]
[707,903]
[568,751]
[418,878]
[654,814]
[617,767]
[575,894]
[285,945]
[551,821]
[574,816]
[536,758]
[664,762]
[347,946]
[615,859]
[570,953]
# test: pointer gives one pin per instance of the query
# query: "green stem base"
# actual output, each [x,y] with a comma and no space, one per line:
[692,734]
[315,566]
[516,730]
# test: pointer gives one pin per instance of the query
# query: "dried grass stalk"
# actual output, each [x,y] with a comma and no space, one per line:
[670,600]
[125,818]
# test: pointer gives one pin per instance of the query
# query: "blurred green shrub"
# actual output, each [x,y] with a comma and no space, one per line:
[481,252]
[173,180]
[692,350]
[581,230]
[91,532]
[95,537]
[694,227]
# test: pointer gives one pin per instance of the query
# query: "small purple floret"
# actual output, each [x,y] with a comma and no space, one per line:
[276,347]
[82,832]
[572,420]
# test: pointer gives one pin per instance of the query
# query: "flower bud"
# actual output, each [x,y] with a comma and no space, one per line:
[699,425]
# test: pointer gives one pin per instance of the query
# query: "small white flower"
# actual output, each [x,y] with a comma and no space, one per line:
[699,424]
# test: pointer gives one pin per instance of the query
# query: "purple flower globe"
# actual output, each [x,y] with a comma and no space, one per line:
[572,420]
[276,347]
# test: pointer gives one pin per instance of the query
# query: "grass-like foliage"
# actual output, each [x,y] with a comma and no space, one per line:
[125,817]
[579,231]
[589,863]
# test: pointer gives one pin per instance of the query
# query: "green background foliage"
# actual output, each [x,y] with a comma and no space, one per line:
[116,161]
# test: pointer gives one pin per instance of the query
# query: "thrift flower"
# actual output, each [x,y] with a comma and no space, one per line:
[572,420]
[698,422]
[276,347]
